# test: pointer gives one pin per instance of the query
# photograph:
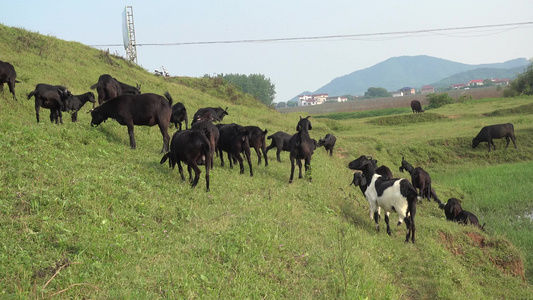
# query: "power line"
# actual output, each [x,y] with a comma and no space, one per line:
[328,37]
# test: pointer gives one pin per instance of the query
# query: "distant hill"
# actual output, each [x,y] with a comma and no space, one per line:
[481,73]
[415,71]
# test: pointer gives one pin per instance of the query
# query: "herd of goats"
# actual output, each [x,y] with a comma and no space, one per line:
[199,144]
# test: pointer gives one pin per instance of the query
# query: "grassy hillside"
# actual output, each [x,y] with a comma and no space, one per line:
[83,216]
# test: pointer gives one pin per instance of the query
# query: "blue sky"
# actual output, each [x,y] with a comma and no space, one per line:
[293,66]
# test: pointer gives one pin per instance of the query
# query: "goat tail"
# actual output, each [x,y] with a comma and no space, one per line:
[32,94]
[164,158]
[169,98]
[269,137]
[95,85]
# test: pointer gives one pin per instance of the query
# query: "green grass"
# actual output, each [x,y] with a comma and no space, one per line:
[83,216]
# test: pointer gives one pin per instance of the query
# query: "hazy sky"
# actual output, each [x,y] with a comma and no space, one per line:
[293,66]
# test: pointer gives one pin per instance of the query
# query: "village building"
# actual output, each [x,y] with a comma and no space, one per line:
[427,89]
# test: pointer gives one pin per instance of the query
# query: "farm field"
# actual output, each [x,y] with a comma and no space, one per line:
[84,216]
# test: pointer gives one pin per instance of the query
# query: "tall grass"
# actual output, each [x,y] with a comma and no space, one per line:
[84,216]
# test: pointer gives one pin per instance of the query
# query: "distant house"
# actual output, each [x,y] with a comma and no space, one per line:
[407,90]
[306,100]
[397,94]
[500,81]
[475,82]
[337,99]
[458,86]
[320,98]
[427,89]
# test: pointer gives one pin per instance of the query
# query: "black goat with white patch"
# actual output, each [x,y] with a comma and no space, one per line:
[393,195]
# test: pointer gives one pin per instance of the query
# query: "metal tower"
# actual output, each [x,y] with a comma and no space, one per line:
[128,33]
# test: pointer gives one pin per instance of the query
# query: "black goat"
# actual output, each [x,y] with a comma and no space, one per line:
[179,114]
[8,75]
[454,212]
[234,140]
[75,102]
[328,142]
[212,134]
[52,97]
[213,114]
[382,170]
[280,140]
[108,88]
[488,133]
[145,109]
[416,106]
[396,195]
[256,139]
[452,209]
[420,179]
[302,147]
[193,148]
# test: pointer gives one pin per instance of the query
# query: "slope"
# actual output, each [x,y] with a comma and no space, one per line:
[83,216]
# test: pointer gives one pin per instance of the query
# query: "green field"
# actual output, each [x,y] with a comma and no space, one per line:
[84,216]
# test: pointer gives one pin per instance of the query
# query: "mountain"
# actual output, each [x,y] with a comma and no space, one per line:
[481,73]
[413,71]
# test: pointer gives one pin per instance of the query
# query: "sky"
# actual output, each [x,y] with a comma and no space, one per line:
[367,33]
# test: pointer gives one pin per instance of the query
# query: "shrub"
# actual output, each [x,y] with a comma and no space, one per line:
[438,100]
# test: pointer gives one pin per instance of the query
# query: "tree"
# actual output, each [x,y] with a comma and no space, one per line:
[522,84]
[255,84]
[377,92]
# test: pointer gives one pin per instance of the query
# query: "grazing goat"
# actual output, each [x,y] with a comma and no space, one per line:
[193,148]
[390,194]
[8,75]
[234,140]
[488,133]
[256,139]
[212,134]
[280,140]
[328,142]
[108,88]
[420,179]
[302,147]
[52,97]
[416,106]
[145,109]
[454,212]
[452,209]
[179,114]
[75,102]
[213,114]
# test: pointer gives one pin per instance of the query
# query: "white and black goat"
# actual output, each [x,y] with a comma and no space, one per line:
[393,195]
